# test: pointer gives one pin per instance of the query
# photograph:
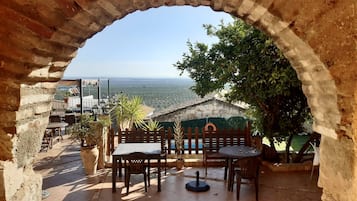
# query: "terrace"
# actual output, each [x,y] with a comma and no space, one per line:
[64,179]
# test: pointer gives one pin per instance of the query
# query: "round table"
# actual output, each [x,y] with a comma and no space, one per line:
[237,152]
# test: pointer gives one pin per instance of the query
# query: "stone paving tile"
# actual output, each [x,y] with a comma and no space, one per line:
[65,180]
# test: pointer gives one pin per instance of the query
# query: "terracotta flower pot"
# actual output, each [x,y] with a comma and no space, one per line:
[89,156]
[180,163]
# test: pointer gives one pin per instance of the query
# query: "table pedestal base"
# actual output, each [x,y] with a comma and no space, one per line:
[201,187]
[197,186]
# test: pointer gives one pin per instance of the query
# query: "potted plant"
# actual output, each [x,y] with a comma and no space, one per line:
[86,132]
[65,96]
[178,135]
[151,125]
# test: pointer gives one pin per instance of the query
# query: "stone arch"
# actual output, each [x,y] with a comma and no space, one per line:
[40,39]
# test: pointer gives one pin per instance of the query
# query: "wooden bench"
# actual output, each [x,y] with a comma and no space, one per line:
[213,140]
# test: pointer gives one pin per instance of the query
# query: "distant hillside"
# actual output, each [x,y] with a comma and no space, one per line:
[158,93]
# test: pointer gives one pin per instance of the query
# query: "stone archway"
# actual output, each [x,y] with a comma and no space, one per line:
[40,38]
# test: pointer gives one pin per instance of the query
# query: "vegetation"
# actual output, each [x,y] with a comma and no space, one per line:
[157,93]
[129,112]
[84,131]
[105,120]
[151,125]
[178,135]
[246,61]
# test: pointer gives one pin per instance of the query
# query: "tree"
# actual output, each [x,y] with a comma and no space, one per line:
[246,61]
[129,111]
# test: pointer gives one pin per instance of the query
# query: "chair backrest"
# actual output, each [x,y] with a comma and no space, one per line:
[316,160]
[249,167]
[48,133]
[70,119]
[140,135]
[214,140]
[135,162]
[55,118]
[143,136]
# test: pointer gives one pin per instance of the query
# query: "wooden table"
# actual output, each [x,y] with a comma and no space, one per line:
[237,152]
[152,150]
[54,125]
[50,132]
[57,126]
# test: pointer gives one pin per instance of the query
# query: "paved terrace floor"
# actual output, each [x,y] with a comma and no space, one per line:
[64,179]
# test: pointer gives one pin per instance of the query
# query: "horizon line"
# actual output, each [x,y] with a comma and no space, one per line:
[124,77]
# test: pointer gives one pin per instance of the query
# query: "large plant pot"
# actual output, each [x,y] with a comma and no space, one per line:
[100,140]
[180,163]
[89,156]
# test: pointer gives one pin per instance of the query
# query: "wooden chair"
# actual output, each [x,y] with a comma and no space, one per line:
[55,118]
[248,168]
[70,119]
[134,163]
[163,149]
[316,159]
[47,140]
[58,131]
[213,140]
[142,136]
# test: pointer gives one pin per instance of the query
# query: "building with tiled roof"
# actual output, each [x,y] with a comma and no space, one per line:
[210,106]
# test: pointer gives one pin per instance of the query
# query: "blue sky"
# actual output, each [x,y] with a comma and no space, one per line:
[145,43]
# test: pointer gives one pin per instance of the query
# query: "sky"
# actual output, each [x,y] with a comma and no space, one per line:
[145,43]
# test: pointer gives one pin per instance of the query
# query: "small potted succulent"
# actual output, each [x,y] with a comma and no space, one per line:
[179,135]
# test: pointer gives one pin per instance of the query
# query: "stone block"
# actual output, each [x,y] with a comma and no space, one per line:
[42,108]
[110,8]
[44,85]
[30,112]
[231,6]
[325,131]
[245,7]
[205,2]
[58,75]
[217,5]
[6,147]
[33,99]
[84,20]
[306,76]
[180,2]
[11,179]
[256,14]
[338,174]
[25,113]
[7,117]
[29,140]
[31,188]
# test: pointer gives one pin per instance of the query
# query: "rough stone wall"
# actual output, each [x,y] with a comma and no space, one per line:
[211,108]
[328,29]
[39,39]
[338,174]
[22,183]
